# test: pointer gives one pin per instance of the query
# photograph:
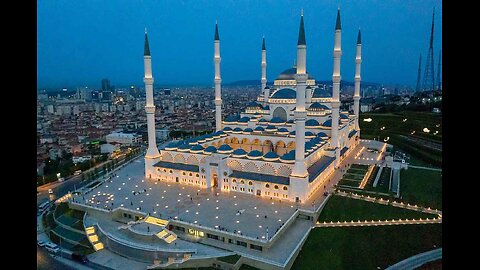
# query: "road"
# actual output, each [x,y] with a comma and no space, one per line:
[417,260]
[46,262]
[70,184]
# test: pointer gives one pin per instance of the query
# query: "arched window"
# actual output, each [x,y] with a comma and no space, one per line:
[242,182]
[250,183]
[275,187]
[234,180]
[285,188]
[190,174]
[183,173]
[171,171]
[267,185]
[196,175]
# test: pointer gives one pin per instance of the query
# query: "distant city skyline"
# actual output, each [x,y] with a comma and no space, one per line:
[80,43]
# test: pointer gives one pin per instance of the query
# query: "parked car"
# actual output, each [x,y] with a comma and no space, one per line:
[79,258]
[41,243]
[61,179]
[50,191]
[51,247]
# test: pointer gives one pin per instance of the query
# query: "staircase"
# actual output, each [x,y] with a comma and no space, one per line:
[93,238]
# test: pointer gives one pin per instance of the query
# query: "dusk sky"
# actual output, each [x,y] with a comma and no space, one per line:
[81,42]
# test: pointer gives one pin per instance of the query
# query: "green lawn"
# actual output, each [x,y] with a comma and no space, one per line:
[365,248]
[232,259]
[422,187]
[341,208]
[383,184]
[394,127]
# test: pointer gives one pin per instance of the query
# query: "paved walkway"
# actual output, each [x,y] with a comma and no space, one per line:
[417,260]
[387,202]
[425,168]
[379,222]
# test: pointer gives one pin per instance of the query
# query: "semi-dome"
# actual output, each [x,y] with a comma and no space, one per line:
[254,105]
[270,156]
[321,93]
[225,149]
[255,154]
[209,150]
[312,123]
[289,74]
[317,107]
[284,93]
[328,123]
[239,153]
[197,149]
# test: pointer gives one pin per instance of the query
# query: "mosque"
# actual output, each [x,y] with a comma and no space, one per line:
[284,145]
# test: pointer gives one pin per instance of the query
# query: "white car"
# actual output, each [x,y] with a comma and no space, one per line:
[41,243]
[50,191]
[51,247]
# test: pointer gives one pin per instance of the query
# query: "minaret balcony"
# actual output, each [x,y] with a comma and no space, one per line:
[148,80]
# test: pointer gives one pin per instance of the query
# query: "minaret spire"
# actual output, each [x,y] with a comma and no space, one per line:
[356,94]
[152,155]
[218,81]
[300,114]
[417,88]
[265,89]
[336,77]
[146,49]
[301,32]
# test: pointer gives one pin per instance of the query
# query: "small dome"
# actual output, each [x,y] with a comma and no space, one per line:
[196,148]
[225,149]
[255,154]
[291,121]
[328,123]
[239,153]
[237,130]
[292,133]
[244,119]
[322,135]
[209,137]
[282,131]
[321,93]
[172,146]
[262,120]
[271,156]
[259,129]
[277,120]
[232,118]
[343,116]
[288,157]
[312,123]
[227,129]
[266,108]
[284,93]
[271,128]
[210,149]
[309,134]
[247,130]
[185,147]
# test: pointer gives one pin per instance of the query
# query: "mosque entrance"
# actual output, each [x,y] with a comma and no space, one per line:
[280,113]
[215,180]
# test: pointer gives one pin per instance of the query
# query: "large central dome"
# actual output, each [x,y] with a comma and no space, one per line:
[289,74]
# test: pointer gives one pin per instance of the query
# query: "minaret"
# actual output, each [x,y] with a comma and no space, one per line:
[356,94]
[418,87]
[266,92]
[439,71]
[300,169]
[152,154]
[218,81]
[428,77]
[337,53]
